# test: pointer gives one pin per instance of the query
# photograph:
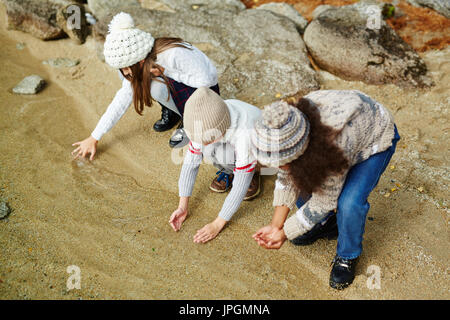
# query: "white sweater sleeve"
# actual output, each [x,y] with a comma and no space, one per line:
[115,110]
[189,170]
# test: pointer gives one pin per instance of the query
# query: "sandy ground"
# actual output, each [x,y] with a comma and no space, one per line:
[110,217]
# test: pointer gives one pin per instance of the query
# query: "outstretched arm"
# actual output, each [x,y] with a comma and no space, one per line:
[115,111]
[186,182]
[241,181]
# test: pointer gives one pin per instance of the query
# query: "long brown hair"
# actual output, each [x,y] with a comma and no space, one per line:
[321,159]
[141,78]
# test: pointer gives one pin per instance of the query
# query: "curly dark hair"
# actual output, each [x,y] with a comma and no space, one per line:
[321,159]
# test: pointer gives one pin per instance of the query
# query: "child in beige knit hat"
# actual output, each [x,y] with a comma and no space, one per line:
[219,130]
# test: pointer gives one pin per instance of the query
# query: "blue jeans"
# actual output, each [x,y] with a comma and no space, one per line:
[353,206]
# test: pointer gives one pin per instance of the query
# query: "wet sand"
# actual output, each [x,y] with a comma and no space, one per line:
[110,216]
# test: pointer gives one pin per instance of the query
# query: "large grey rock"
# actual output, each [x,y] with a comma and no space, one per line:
[35,17]
[30,85]
[72,19]
[256,63]
[40,17]
[287,11]
[347,42]
[102,8]
[319,9]
[205,5]
[441,6]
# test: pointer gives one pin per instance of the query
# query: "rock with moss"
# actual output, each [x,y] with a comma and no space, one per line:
[355,43]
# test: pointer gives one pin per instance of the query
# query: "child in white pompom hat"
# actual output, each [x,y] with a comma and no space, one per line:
[177,67]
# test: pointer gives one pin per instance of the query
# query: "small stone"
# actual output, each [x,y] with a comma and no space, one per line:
[387,195]
[370,218]
[30,85]
[20,46]
[5,210]
[420,189]
[392,167]
[61,62]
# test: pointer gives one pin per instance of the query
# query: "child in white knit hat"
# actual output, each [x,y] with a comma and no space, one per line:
[220,131]
[167,70]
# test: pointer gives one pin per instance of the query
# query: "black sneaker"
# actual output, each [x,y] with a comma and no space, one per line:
[342,273]
[168,120]
[327,230]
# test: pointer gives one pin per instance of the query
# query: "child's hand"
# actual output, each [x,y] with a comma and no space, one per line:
[85,147]
[270,237]
[177,218]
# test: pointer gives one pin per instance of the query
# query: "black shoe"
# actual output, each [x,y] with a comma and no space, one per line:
[168,120]
[328,230]
[179,138]
[342,273]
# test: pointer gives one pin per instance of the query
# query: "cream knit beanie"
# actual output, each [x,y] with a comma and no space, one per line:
[126,45]
[206,117]
[280,135]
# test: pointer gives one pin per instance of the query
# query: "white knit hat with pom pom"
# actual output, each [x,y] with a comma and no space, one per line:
[126,45]
[280,135]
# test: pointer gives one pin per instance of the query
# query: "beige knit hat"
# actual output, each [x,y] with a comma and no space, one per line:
[206,117]
[280,135]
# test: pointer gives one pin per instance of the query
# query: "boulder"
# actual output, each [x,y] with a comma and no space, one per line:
[72,19]
[355,43]
[209,5]
[30,85]
[35,17]
[288,11]
[255,63]
[440,6]
[45,19]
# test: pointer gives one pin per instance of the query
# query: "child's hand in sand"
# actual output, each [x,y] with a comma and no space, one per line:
[270,237]
[177,218]
[210,231]
[85,147]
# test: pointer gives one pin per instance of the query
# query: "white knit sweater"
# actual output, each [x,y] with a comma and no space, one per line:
[189,66]
[243,116]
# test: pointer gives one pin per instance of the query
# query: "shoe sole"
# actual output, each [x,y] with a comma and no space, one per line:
[340,286]
[330,236]
[158,130]
[219,191]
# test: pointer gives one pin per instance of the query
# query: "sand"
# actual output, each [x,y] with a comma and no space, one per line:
[110,217]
